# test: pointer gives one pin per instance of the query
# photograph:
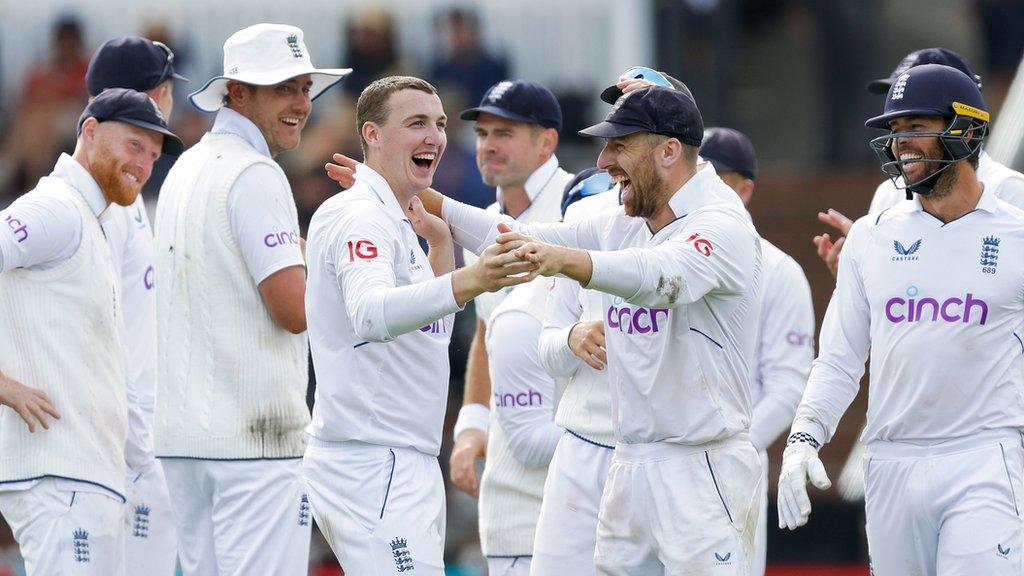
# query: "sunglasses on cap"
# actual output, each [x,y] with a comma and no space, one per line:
[168,64]
[645,73]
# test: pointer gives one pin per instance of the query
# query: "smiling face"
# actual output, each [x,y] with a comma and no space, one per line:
[631,161]
[913,148]
[507,152]
[120,158]
[407,145]
[279,111]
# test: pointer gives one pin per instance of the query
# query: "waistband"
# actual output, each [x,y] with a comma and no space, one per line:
[891,449]
[652,451]
[360,447]
[589,440]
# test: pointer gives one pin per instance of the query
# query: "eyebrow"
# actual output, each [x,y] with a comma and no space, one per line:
[425,117]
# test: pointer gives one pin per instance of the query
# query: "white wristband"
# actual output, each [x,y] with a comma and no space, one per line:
[472,416]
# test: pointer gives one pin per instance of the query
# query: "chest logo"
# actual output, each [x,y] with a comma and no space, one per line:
[904,252]
[989,254]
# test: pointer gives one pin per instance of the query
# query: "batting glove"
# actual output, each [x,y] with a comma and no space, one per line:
[800,463]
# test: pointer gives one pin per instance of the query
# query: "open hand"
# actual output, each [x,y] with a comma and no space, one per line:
[32,405]
[344,172]
[430,227]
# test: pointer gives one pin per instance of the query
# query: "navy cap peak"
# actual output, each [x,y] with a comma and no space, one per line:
[132,107]
[519,101]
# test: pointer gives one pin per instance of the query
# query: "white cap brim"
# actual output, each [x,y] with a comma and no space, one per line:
[210,98]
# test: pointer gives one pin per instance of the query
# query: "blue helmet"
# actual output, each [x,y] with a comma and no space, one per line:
[587,182]
[932,90]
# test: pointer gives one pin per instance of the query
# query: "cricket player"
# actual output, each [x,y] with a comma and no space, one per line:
[1007,184]
[62,482]
[151,540]
[785,334]
[922,289]
[232,354]
[680,269]
[517,125]
[574,321]
[381,313]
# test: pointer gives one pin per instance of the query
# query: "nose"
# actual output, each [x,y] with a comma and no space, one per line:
[435,136]
[303,103]
[606,158]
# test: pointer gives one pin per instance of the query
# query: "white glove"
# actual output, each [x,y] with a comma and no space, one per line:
[800,462]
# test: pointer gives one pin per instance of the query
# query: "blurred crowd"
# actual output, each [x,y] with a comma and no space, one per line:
[40,122]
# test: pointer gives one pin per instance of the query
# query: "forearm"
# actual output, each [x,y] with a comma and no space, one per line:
[478,379]
[829,393]
[472,228]
[441,258]
[556,357]
[381,314]
[532,438]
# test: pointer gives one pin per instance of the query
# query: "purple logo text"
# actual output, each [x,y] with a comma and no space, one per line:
[912,309]
[20,229]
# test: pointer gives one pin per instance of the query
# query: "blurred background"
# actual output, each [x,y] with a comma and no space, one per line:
[789,73]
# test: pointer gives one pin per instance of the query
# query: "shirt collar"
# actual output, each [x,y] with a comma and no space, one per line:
[538,180]
[230,122]
[69,170]
[703,188]
[987,202]
[380,187]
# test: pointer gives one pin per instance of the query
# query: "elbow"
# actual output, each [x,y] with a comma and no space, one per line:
[369,331]
[293,321]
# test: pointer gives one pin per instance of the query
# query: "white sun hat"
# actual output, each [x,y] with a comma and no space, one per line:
[264,55]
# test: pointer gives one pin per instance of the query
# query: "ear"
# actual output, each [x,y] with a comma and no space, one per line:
[671,152]
[237,93]
[371,133]
[550,141]
[746,191]
[89,129]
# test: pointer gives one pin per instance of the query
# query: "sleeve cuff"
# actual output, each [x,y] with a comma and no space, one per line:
[472,416]
[815,430]
[615,273]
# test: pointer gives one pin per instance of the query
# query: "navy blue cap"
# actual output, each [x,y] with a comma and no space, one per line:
[130,62]
[729,150]
[653,109]
[612,93]
[587,182]
[131,107]
[521,101]
[932,90]
[924,56]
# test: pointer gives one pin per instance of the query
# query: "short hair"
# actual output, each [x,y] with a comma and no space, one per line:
[372,105]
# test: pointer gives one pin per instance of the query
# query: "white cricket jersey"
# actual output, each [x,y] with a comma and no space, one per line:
[379,322]
[785,345]
[544,187]
[678,305]
[130,239]
[1007,184]
[585,406]
[939,308]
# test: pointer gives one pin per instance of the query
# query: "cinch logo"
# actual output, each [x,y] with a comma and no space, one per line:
[147,278]
[794,338]
[911,309]
[518,400]
[630,320]
[275,239]
[20,229]
[435,327]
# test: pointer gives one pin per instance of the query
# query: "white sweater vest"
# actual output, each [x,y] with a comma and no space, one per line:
[231,384]
[60,333]
[510,493]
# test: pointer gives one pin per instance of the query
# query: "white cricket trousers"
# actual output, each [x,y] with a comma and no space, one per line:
[673,509]
[63,532]
[151,540]
[240,517]
[758,563]
[381,508]
[947,510]
[511,566]
[567,527]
